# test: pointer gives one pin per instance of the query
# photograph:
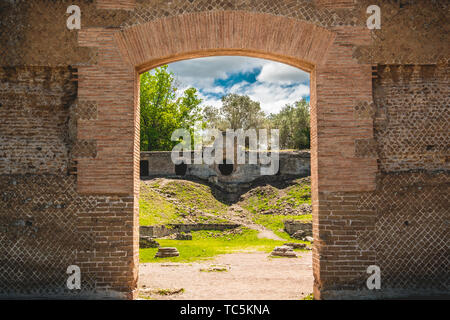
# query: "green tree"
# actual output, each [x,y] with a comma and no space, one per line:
[162,112]
[293,123]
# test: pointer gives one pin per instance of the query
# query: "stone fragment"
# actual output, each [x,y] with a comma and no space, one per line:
[216,268]
[298,229]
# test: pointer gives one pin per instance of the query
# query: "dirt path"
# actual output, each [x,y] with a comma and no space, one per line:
[249,276]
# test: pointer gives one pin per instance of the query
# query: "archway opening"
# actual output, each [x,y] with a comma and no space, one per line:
[230,206]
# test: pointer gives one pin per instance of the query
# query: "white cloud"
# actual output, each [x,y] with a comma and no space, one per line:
[210,100]
[239,87]
[203,71]
[272,96]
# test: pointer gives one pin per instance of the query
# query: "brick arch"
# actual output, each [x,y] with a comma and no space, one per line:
[225,32]
[338,85]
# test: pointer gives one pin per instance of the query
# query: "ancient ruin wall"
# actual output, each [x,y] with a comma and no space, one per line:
[46,224]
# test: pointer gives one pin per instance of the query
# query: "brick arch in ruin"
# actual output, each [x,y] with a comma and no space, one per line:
[338,83]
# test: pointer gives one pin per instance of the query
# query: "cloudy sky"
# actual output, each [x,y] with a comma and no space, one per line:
[271,83]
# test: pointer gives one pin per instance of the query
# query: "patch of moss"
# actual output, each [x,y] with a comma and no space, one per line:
[169,292]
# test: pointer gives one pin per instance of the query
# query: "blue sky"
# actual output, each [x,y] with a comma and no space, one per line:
[271,83]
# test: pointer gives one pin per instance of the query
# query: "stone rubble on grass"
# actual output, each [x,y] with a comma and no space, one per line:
[165,252]
[147,242]
[284,251]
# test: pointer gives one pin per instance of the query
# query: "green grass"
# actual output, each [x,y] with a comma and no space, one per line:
[296,195]
[272,199]
[208,244]
[155,209]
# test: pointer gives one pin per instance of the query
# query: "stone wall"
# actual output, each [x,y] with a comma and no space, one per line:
[69,134]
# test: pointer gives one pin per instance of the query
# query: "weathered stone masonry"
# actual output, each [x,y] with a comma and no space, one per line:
[69,126]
